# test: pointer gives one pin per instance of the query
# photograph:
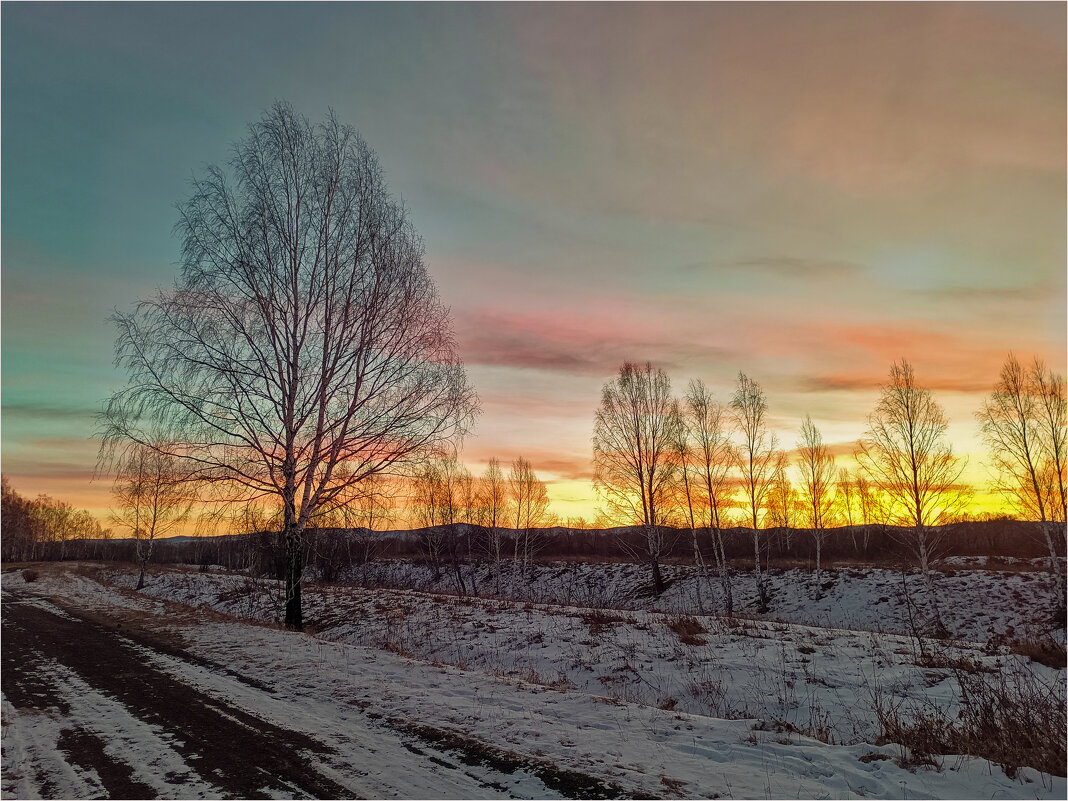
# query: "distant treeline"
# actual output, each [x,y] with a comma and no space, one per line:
[331,552]
[43,527]
[877,543]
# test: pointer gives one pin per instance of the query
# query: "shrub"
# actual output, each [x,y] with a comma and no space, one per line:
[29,575]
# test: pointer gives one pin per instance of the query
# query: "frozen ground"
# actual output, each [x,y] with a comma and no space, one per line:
[747,709]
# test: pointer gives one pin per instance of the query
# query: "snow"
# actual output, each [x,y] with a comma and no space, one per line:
[614,694]
[144,747]
[867,598]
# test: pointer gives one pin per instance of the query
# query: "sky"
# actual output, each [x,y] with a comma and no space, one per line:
[805,192]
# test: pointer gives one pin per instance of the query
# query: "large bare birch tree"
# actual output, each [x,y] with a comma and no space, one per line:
[303,347]
[635,464]
[1054,404]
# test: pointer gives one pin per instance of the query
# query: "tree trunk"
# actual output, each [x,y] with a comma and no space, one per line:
[144,555]
[699,563]
[1054,562]
[658,579]
[724,575]
[517,568]
[819,544]
[294,568]
[762,592]
[496,545]
[457,568]
[928,578]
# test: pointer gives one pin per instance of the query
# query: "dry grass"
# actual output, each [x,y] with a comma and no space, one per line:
[954,662]
[600,621]
[688,628]
[817,730]
[1044,650]
[872,756]
[674,786]
[1011,718]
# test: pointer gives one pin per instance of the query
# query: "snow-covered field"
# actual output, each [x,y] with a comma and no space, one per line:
[657,703]
[873,599]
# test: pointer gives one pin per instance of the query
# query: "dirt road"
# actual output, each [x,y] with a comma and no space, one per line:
[95,714]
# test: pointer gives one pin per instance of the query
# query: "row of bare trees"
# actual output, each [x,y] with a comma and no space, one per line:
[661,460]
[462,516]
[32,526]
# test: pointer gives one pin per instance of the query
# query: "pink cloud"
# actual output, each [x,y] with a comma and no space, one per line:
[594,342]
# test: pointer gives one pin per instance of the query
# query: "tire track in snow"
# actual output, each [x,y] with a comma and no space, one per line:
[233,752]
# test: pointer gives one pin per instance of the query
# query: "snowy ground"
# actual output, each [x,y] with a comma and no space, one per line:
[1016,602]
[741,709]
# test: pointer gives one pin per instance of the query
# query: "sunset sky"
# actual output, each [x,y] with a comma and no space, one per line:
[805,192]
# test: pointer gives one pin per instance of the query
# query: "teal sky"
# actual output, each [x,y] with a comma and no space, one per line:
[805,192]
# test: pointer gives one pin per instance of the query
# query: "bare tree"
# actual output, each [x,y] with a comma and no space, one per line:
[869,502]
[756,461]
[783,505]
[714,457]
[304,347]
[635,465]
[857,505]
[360,512]
[817,481]
[438,496]
[845,495]
[470,517]
[690,489]
[1054,403]
[529,504]
[152,500]
[905,452]
[1013,423]
[426,508]
[28,525]
[493,499]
